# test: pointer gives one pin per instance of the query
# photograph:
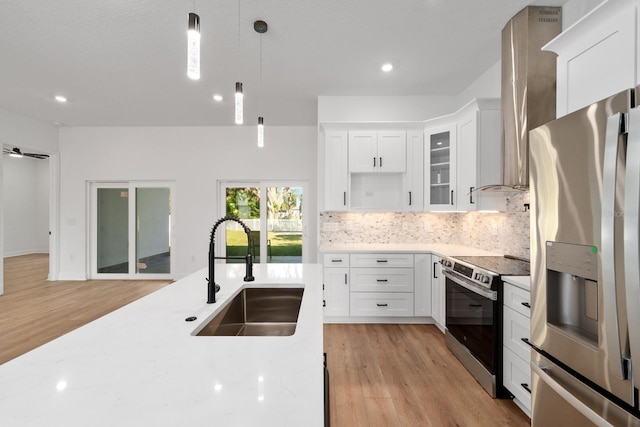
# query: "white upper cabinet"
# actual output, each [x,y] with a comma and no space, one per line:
[479,155]
[336,175]
[440,168]
[377,151]
[414,178]
[597,56]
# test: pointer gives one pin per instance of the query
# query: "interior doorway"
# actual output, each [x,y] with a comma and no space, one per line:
[131,230]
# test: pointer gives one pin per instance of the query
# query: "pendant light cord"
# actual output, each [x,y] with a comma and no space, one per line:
[260,102]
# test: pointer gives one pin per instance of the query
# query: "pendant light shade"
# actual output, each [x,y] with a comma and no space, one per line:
[193,47]
[239,104]
[260,132]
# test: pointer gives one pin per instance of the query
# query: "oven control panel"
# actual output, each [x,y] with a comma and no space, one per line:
[463,269]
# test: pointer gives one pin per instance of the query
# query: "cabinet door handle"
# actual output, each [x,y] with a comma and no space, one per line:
[434,270]
[471,195]
[382,305]
[374,162]
[475,305]
[409,198]
[452,197]
[336,260]
[344,197]
[380,161]
[382,280]
[382,260]
[324,303]
[526,304]
[526,387]
[345,278]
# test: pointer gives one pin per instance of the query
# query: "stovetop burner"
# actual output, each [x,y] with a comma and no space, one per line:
[500,265]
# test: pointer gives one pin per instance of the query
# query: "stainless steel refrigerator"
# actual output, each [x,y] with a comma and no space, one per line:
[585,266]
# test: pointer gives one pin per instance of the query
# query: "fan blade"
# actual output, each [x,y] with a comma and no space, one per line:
[36,155]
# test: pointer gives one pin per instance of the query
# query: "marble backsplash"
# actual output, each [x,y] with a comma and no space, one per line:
[506,232]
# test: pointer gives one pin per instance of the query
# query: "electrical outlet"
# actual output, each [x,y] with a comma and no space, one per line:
[426,226]
[369,194]
[494,229]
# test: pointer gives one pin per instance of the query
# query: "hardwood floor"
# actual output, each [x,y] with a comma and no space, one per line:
[381,375]
[34,311]
[404,375]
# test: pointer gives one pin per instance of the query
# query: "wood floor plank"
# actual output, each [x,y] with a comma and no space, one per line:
[34,311]
[425,384]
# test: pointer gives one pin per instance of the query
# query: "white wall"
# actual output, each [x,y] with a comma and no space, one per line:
[26,206]
[573,10]
[195,158]
[23,132]
[383,108]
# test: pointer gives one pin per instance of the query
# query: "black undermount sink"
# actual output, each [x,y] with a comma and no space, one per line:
[257,312]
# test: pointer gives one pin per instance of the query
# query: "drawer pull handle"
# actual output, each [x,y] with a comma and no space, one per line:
[526,304]
[526,387]
[381,280]
[382,260]
[382,305]
[475,305]
[345,278]
[336,260]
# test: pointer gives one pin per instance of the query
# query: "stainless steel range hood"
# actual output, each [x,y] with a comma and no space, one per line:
[528,88]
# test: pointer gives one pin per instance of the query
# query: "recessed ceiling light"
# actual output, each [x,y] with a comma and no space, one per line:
[217,97]
[387,67]
[60,98]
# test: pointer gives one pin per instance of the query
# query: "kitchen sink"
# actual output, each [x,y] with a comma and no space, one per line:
[257,312]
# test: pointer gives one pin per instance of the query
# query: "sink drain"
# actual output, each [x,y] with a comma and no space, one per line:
[190,319]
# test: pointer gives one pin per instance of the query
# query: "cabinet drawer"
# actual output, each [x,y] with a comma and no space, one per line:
[336,260]
[518,299]
[381,304]
[516,326]
[381,260]
[517,376]
[382,279]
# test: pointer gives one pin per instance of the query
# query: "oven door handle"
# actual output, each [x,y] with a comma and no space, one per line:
[487,293]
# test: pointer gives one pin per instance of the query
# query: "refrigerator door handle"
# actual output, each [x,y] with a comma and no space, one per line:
[568,397]
[631,244]
[615,125]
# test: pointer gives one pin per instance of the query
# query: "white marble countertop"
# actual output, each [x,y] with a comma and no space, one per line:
[441,249]
[140,365]
[523,282]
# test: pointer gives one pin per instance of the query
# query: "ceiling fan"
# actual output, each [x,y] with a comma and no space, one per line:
[16,152]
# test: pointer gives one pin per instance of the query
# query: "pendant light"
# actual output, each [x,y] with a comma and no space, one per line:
[260,27]
[193,47]
[239,96]
[260,132]
[239,104]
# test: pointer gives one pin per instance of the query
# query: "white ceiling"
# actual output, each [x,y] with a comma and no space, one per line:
[123,62]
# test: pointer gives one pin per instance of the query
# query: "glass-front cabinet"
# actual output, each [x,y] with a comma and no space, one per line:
[440,174]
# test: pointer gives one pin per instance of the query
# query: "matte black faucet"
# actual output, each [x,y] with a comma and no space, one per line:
[212,287]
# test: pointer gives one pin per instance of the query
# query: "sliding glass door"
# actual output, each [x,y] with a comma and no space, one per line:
[131,227]
[274,213]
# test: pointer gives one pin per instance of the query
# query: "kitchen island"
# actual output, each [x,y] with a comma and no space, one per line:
[142,365]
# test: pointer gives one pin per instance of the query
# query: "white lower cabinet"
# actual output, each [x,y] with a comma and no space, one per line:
[382,304]
[438,293]
[516,353]
[363,287]
[336,285]
[378,287]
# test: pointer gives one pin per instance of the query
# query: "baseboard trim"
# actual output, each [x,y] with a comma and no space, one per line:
[21,253]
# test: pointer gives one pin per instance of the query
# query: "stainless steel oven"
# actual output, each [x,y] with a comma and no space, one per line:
[474,315]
